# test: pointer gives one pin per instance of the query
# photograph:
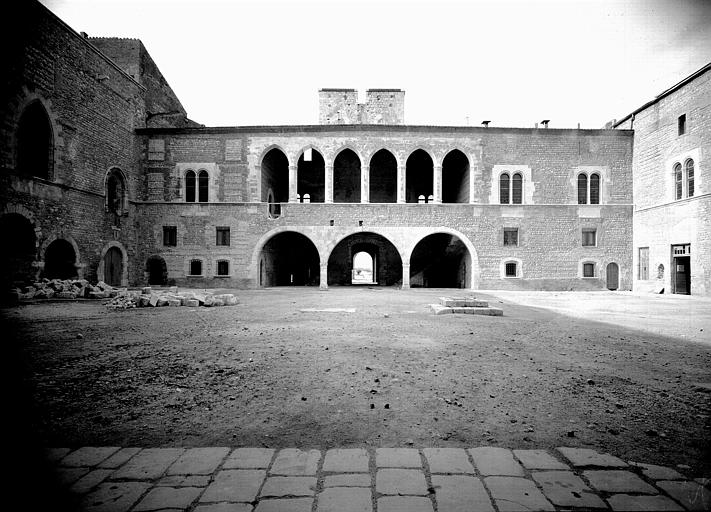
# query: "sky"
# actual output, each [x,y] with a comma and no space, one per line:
[515,63]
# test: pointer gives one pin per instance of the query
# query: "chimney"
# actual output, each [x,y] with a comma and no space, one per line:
[545,123]
[485,124]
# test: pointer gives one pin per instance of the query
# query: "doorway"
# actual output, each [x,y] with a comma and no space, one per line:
[113,267]
[681,269]
[613,276]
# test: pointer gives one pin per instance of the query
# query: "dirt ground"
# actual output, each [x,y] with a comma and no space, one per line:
[264,373]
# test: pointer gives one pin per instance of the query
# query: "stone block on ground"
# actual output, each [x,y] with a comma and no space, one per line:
[515,494]
[460,493]
[353,460]
[292,461]
[342,499]
[692,495]
[397,458]
[347,480]
[198,461]
[438,309]
[285,505]
[492,461]
[113,496]
[565,489]
[249,458]
[282,486]
[234,485]
[88,456]
[401,481]
[539,459]
[630,503]
[618,481]
[448,460]
[192,303]
[168,498]
[581,457]
[404,504]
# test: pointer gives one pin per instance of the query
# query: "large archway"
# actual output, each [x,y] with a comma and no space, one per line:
[289,259]
[311,176]
[157,271]
[19,249]
[60,260]
[455,178]
[387,264]
[346,177]
[418,176]
[383,177]
[440,260]
[34,142]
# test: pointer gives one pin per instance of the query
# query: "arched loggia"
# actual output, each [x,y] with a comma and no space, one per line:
[440,260]
[289,259]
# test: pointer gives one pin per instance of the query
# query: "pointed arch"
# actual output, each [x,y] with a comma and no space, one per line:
[35,142]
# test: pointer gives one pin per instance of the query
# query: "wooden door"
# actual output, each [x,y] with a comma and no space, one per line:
[613,276]
[113,267]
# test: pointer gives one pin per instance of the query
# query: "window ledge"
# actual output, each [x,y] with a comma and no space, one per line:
[195,275]
[221,276]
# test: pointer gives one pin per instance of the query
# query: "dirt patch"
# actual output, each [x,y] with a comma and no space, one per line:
[264,373]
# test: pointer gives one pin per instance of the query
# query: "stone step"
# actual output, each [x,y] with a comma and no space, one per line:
[438,309]
[458,302]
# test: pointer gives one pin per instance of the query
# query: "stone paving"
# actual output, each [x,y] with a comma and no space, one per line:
[482,479]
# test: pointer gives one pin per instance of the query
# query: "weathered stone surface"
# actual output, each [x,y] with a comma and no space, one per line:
[67,476]
[285,505]
[400,481]
[192,303]
[495,461]
[514,494]
[57,454]
[88,456]
[581,457]
[347,480]
[342,499]
[87,482]
[460,493]
[149,464]
[113,496]
[690,494]
[618,481]
[198,461]
[168,497]
[538,459]
[289,486]
[565,489]
[224,507]
[291,461]
[234,485]
[353,460]
[448,460]
[658,472]
[397,458]
[184,481]
[119,458]
[438,309]
[628,503]
[248,458]
[404,504]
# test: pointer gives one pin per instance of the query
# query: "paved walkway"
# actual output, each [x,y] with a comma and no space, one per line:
[484,479]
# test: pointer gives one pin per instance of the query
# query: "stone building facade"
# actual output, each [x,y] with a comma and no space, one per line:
[106,178]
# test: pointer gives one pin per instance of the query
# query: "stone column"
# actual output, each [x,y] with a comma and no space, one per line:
[437,183]
[324,277]
[405,276]
[400,183]
[292,184]
[328,197]
[365,184]
[472,173]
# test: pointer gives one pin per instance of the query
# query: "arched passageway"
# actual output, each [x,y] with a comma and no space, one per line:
[311,178]
[440,260]
[383,177]
[419,176]
[613,276]
[60,260]
[157,271]
[387,265]
[346,177]
[289,259]
[19,249]
[275,177]
[363,267]
[113,266]
[455,178]
[34,142]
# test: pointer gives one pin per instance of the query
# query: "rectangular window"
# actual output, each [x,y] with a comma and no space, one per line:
[195,268]
[170,236]
[511,236]
[682,124]
[589,237]
[643,263]
[588,270]
[223,268]
[510,269]
[222,235]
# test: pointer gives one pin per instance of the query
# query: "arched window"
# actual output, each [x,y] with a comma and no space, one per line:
[504,188]
[678,181]
[190,187]
[34,142]
[517,189]
[582,188]
[203,181]
[594,189]
[115,192]
[689,178]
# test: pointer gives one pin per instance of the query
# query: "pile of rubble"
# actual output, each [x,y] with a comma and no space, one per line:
[148,297]
[67,289]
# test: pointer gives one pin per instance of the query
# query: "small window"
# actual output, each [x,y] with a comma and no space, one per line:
[504,189]
[582,188]
[682,124]
[203,182]
[195,267]
[190,187]
[588,270]
[643,263]
[511,236]
[679,181]
[223,268]
[170,236]
[222,236]
[689,178]
[517,189]
[589,237]
[510,269]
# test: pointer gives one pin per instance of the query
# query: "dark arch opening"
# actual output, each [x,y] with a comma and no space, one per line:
[346,177]
[190,187]
[289,259]
[418,176]
[203,186]
[312,177]
[440,260]
[113,266]
[19,250]
[60,260]
[275,177]
[455,178]
[157,271]
[34,142]
[386,260]
[383,177]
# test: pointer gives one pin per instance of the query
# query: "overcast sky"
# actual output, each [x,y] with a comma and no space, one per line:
[238,62]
